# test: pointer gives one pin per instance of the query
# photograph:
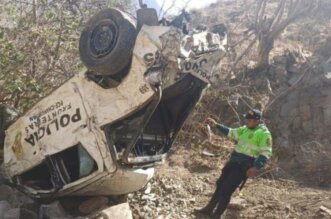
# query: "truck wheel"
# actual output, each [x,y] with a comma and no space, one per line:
[107,42]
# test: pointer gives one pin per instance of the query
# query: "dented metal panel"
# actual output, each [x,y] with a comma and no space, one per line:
[77,111]
[78,108]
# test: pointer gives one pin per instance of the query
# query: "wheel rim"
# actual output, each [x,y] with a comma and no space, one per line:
[103,38]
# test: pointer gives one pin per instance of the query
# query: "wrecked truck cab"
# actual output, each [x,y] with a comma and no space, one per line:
[92,138]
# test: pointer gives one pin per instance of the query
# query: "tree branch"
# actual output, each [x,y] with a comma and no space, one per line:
[259,5]
[245,52]
[278,14]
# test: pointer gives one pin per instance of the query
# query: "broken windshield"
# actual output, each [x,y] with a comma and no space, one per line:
[130,137]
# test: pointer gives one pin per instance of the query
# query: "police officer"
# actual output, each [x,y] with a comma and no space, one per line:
[253,149]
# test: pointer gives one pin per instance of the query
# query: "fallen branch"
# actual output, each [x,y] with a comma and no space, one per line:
[233,109]
[326,210]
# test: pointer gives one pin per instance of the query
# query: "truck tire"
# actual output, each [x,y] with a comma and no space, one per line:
[107,42]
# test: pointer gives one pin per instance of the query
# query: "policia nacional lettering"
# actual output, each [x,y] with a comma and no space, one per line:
[53,126]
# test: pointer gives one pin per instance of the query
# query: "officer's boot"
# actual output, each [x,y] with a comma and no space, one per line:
[221,207]
[209,208]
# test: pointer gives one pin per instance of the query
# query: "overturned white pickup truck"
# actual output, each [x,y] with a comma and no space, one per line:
[104,130]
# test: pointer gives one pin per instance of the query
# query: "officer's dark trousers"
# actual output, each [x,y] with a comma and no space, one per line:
[233,174]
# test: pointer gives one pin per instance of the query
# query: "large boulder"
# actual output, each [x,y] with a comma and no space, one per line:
[53,210]
[4,207]
[117,211]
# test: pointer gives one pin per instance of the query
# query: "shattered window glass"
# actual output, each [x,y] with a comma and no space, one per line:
[59,169]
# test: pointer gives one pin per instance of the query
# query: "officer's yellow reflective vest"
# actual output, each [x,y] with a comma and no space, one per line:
[252,142]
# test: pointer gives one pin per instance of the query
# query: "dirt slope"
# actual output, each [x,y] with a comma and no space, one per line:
[187,181]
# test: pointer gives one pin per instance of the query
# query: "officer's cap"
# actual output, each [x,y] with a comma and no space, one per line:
[253,114]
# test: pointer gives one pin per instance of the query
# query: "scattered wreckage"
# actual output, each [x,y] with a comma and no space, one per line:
[103,131]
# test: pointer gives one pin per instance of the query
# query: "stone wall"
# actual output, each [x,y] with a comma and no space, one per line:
[301,123]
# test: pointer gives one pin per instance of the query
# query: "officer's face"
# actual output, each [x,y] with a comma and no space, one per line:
[251,123]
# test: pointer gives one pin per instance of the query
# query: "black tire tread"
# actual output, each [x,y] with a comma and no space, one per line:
[121,54]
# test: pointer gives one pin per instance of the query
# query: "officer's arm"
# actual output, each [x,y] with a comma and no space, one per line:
[232,133]
[222,128]
[265,151]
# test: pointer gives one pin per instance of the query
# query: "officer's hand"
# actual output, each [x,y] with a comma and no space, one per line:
[211,122]
[252,172]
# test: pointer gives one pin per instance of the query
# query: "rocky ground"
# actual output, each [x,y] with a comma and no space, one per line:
[187,181]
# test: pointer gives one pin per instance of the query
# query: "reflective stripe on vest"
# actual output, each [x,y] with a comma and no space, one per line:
[252,142]
[252,150]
